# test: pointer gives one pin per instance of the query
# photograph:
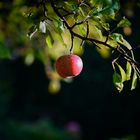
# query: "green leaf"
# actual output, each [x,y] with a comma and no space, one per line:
[122,72]
[119,38]
[57,30]
[124,22]
[4,52]
[107,8]
[128,70]
[59,25]
[116,36]
[82,30]
[106,26]
[82,12]
[117,80]
[49,41]
[134,80]
[126,44]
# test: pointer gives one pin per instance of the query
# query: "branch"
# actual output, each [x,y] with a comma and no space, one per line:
[86,38]
[79,23]
[72,39]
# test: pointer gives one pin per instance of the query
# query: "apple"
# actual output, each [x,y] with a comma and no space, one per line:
[69,65]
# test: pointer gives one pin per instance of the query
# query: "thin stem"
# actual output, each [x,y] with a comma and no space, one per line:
[79,23]
[72,41]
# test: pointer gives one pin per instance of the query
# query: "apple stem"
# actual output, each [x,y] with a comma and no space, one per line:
[72,40]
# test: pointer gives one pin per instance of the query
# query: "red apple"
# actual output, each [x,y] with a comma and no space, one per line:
[69,65]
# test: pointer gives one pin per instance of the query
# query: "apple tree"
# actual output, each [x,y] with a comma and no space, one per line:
[48,29]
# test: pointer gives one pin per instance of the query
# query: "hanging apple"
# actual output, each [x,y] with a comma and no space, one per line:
[69,65]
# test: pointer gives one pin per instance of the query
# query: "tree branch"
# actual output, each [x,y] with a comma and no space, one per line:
[86,38]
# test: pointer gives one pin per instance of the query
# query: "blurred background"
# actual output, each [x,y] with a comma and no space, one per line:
[35,104]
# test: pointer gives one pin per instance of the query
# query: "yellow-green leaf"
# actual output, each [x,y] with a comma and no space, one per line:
[119,38]
[117,80]
[126,44]
[122,72]
[128,70]
[124,22]
[49,41]
[134,80]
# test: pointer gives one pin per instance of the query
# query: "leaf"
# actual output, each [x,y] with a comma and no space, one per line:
[106,26]
[128,70]
[122,72]
[124,22]
[59,25]
[109,8]
[82,12]
[4,52]
[42,26]
[119,38]
[81,29]
[32,31]
[117,80]
[103,51]
[134,80]
[49,41]
[56,32]
[126,44]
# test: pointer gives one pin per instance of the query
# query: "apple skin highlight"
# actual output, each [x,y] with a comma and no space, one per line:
[69,65]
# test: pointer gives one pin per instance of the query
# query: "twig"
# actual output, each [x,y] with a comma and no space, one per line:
[72,40]
[79,23]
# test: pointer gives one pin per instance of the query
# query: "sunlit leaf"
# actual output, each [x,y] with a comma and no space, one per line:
[124,22]
[103,51]
[122,72]
[119,38]
[94,31]
[116,36]
[134,80]
[128,70]
[117,80]
[82,12]
[109,8]
[126,44]
[49,41]
[81,29]
[106,26]
[59,26]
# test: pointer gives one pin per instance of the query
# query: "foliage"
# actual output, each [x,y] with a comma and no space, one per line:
[46,29]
